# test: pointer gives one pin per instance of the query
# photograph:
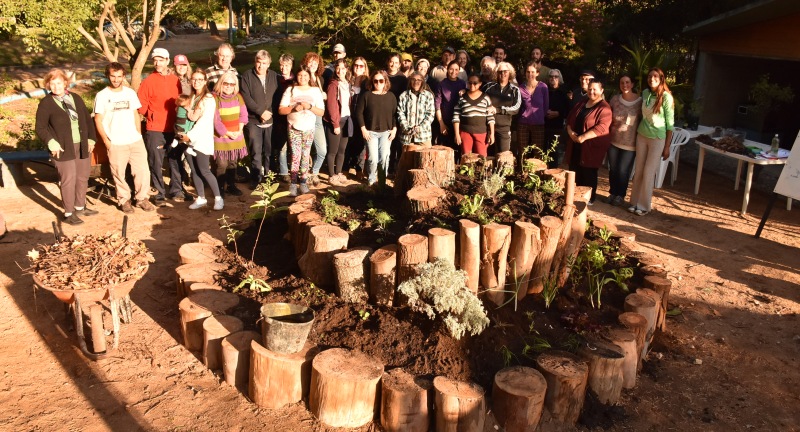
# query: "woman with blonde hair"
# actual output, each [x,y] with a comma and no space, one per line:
[230,118]
[356,152]
[507,101]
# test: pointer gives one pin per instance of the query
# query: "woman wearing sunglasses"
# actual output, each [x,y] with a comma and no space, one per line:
[376,112]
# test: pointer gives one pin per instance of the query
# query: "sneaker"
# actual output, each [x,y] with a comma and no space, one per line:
[126,207]
[286,178]
[180,196]
[632,209]
[86,211]
[145,205]
[72,219]
[314,180]
[234,191]
[609,199]
[304,188]
[618,201]
[293,189]
[590,203]
[198,203]
[160,200]
[640,212]
[219,204]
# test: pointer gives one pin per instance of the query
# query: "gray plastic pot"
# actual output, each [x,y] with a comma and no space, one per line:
[286,326]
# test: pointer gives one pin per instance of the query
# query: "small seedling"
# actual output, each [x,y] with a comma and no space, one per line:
[510,187]
[233,233]
[253,284]
[605,234]
[621,276]
[471,205]
[353,224]
[363,314]
[492,185]
[331,209]
[549,291]
[507,356]
[380,218]
[467,170]
[550,187]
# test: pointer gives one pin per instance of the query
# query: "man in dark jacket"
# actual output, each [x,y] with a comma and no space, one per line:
[258,87]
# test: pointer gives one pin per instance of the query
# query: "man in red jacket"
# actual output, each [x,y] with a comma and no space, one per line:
[157,94]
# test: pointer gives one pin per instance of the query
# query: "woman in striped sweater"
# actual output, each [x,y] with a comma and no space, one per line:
[229,120]
[472,119]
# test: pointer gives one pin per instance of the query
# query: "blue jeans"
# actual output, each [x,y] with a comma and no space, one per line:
[620,163]
[320,146]
[283,164]
[379,148]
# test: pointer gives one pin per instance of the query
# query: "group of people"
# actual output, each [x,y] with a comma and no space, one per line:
[350,118]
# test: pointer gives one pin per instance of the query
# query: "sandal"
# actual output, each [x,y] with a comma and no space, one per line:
[640,212]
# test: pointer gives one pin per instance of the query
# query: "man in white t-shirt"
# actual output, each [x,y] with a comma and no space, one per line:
[120,128]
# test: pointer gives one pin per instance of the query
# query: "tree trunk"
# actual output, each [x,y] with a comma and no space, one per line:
[316,264]
[662,286]
[495,242]
[236,358]
[470,256]
[405,402]
[560,255]
[216,328]
[584,192]
[216,239]
[656,297]
[405,163]
[344,387]
[188,274]
[193,253]
[646,307]
[300,205]
[525,244]
[470,159]
[605,370]
[412,250]
[637,324]
[200,286]
[626,341]
[438,162]
[460,406]
[557,174]
[300,231]
[652,270]
[566,376]
[196,308]
[550,227]
[277,379]
[417,178]
[441,245]
[425,198]
[573,245]
[350,268]
[518,398]
[505,162]
[382,279]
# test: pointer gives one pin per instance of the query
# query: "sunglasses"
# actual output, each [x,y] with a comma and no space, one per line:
[359,65]
[474,83]
[229,84]
[378,81]
[504,70]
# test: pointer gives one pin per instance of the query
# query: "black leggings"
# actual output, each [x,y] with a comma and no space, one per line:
[201,170]
[337,146]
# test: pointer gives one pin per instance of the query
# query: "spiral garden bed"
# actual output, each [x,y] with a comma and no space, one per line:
[571,303]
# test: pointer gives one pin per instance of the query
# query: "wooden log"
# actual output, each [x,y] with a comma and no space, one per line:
[300,232]
[576,234]
[189,274]
[495,242]
[560,255]
[651,270]
[470,255]
[278,379]
[550,227]
[628,247]
[656,297]
[662,286]
[350,268]
[215,329]
[624,235]
[405,402]
[537,165]
[383,275]
[200,286]
[525,244]
[96,326]
[626,341]
[569,187]
[193,253]
[344,387]
[605,370]
[646,307]
[557,174]
[584,192]
[438,162]
[195,308]
[566,376]
[404,163]
[505,162]
[236,358]
[425,198]
[412,250]
[442,245]
[470,159]
[646,259]
[417,177]
[217,238]
[602,224]
[518,398]
[301,204]
[316,264]
[637,324]
[460,406]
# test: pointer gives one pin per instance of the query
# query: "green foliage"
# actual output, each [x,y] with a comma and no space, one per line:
[331,210]
[353,224]
[507,356]
[467,170]
[233,233]
[363,314]
[470,206]
[551,186]
[492,186]
[605,234]
[253,284]
[510,187]
[381,218]
[571,343]
[769,95]
[549,291]
[440,290]
[621,276]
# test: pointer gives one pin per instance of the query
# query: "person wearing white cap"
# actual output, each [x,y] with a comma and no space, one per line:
[338,53]
[157,95]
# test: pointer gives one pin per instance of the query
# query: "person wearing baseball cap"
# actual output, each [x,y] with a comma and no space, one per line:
[406,64]
[184,72]
[338,53]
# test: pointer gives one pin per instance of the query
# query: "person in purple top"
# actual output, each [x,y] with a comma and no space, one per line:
[535,103]
[447,96]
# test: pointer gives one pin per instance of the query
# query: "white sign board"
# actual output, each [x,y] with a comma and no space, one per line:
[789,182]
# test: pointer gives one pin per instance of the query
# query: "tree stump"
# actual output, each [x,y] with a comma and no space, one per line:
[412,250]
[324,241]
[301,204]
[216,239]
[624,235]
[518,398]
[662,286]
[557,174]
[525,244]
[405,402]
[417,177]
[653,270]
[470,256]
[505,162]
[351,267]
[200,286]
[193,253]
[188,274]
[576,235]
[646,307]
[647,292]
[404,163]
[438,162]
[560,255]
[382,279]
[550,227]
[601,224]
[442,245]
[196,308]
[495,242]
[236,358]
[470,159]
[216,328]
[344,387]
[460,406]
[537,165]
[605,370]
[626,341]
[566,376]
[637,324]
[424,198]
[584,192]
[569,187]
[277,379]
[300,232]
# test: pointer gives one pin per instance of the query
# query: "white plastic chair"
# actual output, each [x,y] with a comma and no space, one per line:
[679,138]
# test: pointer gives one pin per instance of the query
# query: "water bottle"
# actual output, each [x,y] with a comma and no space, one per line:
[776,145]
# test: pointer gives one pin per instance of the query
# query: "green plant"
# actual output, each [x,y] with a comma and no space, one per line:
[507,210]
[471,206]
[331,210]
[533,181]
[440,290]
[769,95]
[363,314]
[571,343]
[537,344]
[353,224]
[605,234]
[267,193]
[621,276]
[549,291]
[550,186]
[253,284]
[381,218]
[507,356]
[233,233]
[467,170]
[510,186]
[492,185]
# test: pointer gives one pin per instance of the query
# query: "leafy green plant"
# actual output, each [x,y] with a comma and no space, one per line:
[440,290]
[492,185]
[267,193]
[253,284]
[549,291]
[363,314]
[550,186]
[233,233]
[769,95]
[467,170]
[353,224]
[331,210]
[510,186]
[605,234]
[571,343]
[507,210]
[621,276]
[533,181]
[507,356]
[381,218]
[537,345]
[469,206]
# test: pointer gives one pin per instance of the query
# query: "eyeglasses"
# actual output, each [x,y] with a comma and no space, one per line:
[378,81]
[358,65]
[553,76]
[229,84]
[474,83]
[415,80]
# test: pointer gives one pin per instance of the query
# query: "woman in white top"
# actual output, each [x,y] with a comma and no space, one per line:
[302,104]
[626,109]
[202,138]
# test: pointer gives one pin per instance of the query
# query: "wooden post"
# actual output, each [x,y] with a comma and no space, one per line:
[382,279]
[424,198]
[653,270]
[215,328]
[301,204]
[605,370]
[495,242]
[550,227]
[518,398]
[505,162]
[277,379]
[412,250]
[405,402]
[560,254]
[442,245]
[656,297]
[566,376]
[662,286]
[646,307]
[584,192]
[626,341]
[300,232]
[470,256]
[405,163]
[196,308]
[525,244]
[316,264]
[200,286]
[569,188]
[344,387]
[576,233]
[216,239]
[439,162]
[351,267]
[557,174]
[188,274]
[470,159]
[193,253]
[460,406]
[538,165]
[417,177]
[637,324]
[236,358]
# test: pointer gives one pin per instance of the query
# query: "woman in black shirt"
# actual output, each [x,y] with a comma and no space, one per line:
[376,113]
